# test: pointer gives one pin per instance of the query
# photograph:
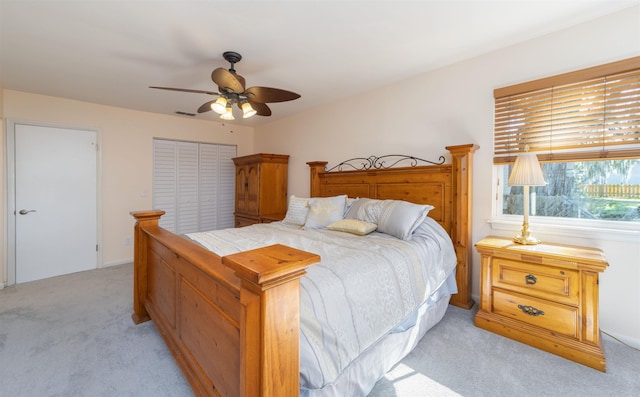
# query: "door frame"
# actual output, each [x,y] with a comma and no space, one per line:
[10,136]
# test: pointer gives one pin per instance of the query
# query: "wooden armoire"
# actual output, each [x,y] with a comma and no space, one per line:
[261,188]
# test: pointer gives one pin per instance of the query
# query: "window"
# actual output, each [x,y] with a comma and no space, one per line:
[585,129]
[597,190]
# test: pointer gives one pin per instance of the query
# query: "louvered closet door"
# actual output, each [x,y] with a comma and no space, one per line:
[226,186]
[164,181]
[217,186]
[187,188]
[194,184]
[208,180]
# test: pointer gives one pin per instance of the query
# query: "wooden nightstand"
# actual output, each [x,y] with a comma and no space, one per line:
[543,295]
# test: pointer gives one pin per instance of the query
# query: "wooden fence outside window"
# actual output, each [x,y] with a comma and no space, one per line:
[613,191]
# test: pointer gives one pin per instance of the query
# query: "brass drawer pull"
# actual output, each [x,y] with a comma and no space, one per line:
[530,279]
[530,310]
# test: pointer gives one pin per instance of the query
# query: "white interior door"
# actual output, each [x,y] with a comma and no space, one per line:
[55,201]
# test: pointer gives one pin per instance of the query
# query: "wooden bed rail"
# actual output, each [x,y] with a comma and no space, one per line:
[232,322]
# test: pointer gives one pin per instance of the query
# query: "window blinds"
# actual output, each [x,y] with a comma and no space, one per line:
[584,115]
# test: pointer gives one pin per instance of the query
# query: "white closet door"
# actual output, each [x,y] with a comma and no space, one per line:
[195,184]
[187,188]
[227,187]
[164,181]
[208,182]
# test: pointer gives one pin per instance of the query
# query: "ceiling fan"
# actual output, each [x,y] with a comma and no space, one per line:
[231,87]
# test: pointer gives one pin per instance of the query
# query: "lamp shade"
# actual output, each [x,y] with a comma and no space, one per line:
[228,115]
[220,105]
[247,110]
[526,171]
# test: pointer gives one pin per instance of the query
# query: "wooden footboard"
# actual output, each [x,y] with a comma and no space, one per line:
[232,322]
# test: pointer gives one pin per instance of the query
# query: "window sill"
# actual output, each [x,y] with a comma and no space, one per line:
[598,230]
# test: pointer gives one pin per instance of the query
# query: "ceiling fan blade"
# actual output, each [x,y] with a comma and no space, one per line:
[205,107]
[227,81]
[261,108]
[187,90]
[268,95]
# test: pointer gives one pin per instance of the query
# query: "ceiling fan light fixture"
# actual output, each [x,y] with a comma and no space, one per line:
[220,105]
[232,90]
[247,110]
[228,114]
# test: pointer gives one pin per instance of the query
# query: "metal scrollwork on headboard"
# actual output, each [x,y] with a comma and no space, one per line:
[375,162]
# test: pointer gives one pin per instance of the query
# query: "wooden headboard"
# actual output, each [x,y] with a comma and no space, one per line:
[445,186]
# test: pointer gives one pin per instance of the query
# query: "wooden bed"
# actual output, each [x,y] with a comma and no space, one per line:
[232,323]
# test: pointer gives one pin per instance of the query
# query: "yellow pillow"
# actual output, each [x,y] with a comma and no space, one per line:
[353,226]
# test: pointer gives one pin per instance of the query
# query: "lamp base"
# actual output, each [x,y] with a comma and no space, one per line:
[529,240]
[525,236]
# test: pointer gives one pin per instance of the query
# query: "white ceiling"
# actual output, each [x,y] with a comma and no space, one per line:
[110,52]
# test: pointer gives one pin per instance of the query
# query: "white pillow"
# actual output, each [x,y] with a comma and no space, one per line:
[401,218]
[353,226]
[350,202]
[364,209]
[394,217]
[297,211]
[325,210]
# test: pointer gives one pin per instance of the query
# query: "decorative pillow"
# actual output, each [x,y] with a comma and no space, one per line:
[364,209]
[401,218]
[353,226]
[325,210]
[350,202]
[395,217]
[297,211]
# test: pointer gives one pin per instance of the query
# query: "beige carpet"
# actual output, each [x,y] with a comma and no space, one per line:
[73,336]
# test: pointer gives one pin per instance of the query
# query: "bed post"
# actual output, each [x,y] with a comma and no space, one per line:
[270,323]
[315,168]
[144,219]
[462,174]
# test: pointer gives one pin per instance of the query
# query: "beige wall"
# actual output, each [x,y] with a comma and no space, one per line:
[3,208]
[454,105]
[126,155]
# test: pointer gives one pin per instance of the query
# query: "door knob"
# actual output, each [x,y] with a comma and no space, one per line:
[25,212]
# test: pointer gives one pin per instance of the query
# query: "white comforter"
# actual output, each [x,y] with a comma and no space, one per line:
[362,288]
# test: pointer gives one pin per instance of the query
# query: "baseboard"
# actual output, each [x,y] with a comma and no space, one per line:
[117,263]
[627,340]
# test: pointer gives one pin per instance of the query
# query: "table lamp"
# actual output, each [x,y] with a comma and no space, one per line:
[526,172]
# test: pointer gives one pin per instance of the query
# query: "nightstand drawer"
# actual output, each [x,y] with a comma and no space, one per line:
[549,315]
[560,285]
